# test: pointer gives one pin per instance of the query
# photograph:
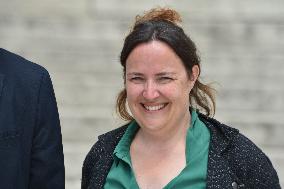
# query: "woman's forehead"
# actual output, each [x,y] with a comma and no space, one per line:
[153,55]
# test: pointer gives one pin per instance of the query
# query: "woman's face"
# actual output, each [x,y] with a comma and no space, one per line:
[157,86]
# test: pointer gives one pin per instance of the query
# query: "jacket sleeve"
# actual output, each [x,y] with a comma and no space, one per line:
[47,161]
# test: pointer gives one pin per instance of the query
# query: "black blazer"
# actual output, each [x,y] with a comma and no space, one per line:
[234,161]
[31,152]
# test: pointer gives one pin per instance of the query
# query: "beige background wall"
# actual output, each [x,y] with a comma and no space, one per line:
[240,42]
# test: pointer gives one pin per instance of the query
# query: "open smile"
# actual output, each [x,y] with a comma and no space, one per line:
[154,107]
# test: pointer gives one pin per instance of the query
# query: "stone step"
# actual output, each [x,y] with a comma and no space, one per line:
[103,97]
[86,130]
[44,9]
[91,79]
[227,10]
[245,100]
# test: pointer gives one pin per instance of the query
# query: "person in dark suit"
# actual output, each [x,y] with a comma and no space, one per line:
[31,151]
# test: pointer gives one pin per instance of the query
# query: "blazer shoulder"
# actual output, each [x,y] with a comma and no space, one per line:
[13,64]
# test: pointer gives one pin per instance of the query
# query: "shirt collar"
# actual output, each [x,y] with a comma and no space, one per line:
[122,150]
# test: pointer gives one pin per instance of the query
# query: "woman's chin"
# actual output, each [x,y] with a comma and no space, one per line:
[151,125]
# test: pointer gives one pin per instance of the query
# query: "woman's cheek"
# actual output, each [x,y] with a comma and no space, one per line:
[133,91]
[170,91]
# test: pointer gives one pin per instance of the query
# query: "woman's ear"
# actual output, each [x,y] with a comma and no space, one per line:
[193,76]
[194,73]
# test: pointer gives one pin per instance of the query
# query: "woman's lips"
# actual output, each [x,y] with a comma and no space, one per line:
[154,107]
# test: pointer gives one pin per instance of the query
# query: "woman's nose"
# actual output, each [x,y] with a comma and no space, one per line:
[150,91]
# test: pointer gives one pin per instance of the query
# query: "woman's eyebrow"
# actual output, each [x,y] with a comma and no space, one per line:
[166,74]
[134,74]
[158,74]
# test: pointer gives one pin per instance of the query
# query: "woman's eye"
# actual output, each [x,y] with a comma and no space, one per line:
[165,79]
[136,79]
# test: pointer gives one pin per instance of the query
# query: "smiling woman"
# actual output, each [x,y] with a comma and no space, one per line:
[168,143]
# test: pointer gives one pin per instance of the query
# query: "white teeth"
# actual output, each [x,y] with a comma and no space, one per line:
[154,108]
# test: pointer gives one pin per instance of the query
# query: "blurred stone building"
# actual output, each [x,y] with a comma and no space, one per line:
[241,44]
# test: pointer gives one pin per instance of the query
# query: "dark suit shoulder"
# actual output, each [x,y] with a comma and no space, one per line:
[24,79]
[14,65]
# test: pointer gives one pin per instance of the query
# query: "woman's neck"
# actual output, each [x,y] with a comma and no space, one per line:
[164,139]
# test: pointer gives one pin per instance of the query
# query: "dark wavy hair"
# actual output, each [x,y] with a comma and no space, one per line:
[160,25]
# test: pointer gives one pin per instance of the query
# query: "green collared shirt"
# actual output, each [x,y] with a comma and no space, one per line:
[121,175]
